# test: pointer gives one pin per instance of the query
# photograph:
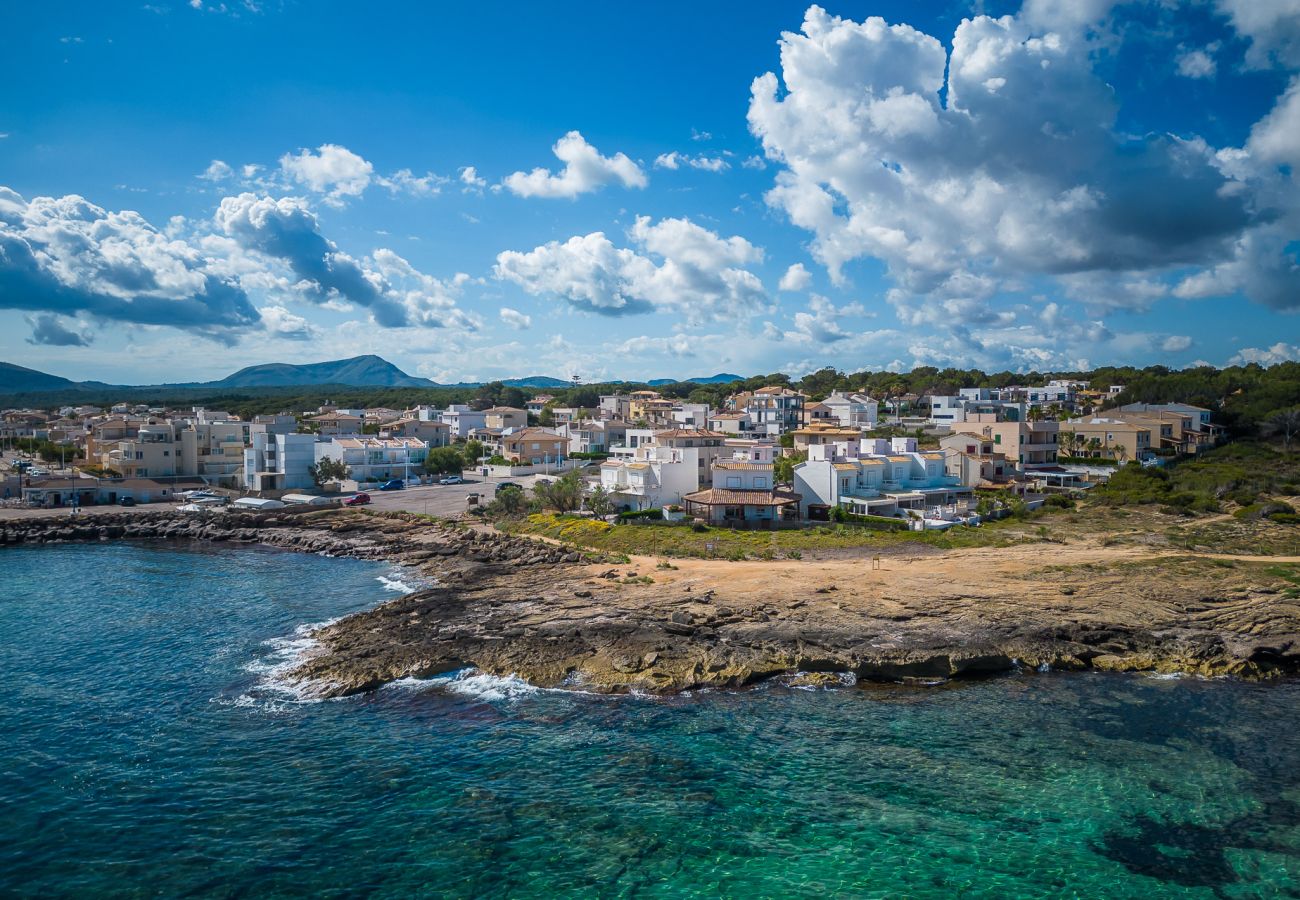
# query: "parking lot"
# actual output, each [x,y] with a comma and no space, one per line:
[445,500]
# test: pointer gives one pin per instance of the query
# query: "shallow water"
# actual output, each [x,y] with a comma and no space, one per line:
[145,750]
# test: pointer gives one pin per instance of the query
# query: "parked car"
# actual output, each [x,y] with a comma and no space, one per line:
[357,499]
[395,485]
[451,479]
[126,501]
[508,486]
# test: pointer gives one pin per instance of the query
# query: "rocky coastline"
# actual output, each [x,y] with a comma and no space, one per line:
[558,618]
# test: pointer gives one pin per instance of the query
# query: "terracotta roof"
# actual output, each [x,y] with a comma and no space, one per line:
[724,497]
[534,434]
[729,416]
[742,465]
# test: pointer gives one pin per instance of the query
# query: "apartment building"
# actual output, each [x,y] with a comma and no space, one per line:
[1024,443]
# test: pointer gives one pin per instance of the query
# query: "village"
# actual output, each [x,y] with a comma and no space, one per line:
[771,457]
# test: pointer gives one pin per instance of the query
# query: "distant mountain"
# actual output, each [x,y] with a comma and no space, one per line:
[537,381]
[720,378]
[16,379]
[359,371]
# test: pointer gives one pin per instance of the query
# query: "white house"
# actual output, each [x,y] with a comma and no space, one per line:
[461,420]
[744,487]
[655,476]
[853,410]
[373,459]
[874,477]
[279,462]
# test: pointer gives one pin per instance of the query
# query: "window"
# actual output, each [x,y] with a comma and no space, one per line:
[997,438]
[760,482]
[733,481]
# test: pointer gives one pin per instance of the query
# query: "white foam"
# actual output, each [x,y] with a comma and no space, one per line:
[485,687]
[845,679]
[396,584]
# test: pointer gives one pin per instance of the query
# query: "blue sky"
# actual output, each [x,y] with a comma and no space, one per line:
[495,191]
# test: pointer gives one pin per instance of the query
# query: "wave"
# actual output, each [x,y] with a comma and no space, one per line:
[473,683]
[396,584]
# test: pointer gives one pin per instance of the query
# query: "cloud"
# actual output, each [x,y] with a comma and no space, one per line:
[1278,353]
[332,170]
[404,181]
[796,278]
[66,255]
[217,171]
[394,292]
[820,323]
[1002,161]
[675,160]
[585,170]
[515,319]
[677,345]
[48,330]
[469,177]
[1197,64]
[281,323]
[1271,26]
[676,266]
[1175,343]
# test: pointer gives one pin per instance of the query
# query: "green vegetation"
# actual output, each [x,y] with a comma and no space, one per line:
[564,494]
[329,470]
[703,542]
[445,461]
[1242,472]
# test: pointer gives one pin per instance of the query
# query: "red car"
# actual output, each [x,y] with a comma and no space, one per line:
[357,500]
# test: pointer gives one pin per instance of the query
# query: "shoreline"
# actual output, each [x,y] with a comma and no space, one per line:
[561,618]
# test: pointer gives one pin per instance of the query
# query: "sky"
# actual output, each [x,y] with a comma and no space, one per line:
[657,191]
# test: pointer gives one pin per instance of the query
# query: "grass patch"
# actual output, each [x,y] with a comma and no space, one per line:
[668,540]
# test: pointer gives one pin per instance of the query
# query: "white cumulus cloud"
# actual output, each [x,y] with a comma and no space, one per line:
[585,170]
[675,265]
[1018,171]
[332,170]
[796,278]
[515,319]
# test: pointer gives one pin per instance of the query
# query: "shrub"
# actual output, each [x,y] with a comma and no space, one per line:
[1060,501]
[651,514]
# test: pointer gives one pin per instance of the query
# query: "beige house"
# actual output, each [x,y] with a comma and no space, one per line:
[1023,443]
[816,434]
[534,446]
[433,432]
[504,417]
[335,423]
[1115,438]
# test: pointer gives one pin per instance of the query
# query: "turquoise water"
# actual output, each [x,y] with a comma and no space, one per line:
[145,750]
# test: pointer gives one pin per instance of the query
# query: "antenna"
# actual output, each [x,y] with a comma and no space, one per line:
[576,379]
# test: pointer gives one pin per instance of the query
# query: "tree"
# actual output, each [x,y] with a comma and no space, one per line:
[783,469]
[1121,454]
[513,396]
[472,451]
[599,502]
[329,469]
[1285,422]
[510,502]
[564,494]
[444,460]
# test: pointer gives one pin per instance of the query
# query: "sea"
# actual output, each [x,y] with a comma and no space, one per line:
[149,747]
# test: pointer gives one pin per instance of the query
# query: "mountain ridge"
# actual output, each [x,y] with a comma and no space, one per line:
[367,370]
